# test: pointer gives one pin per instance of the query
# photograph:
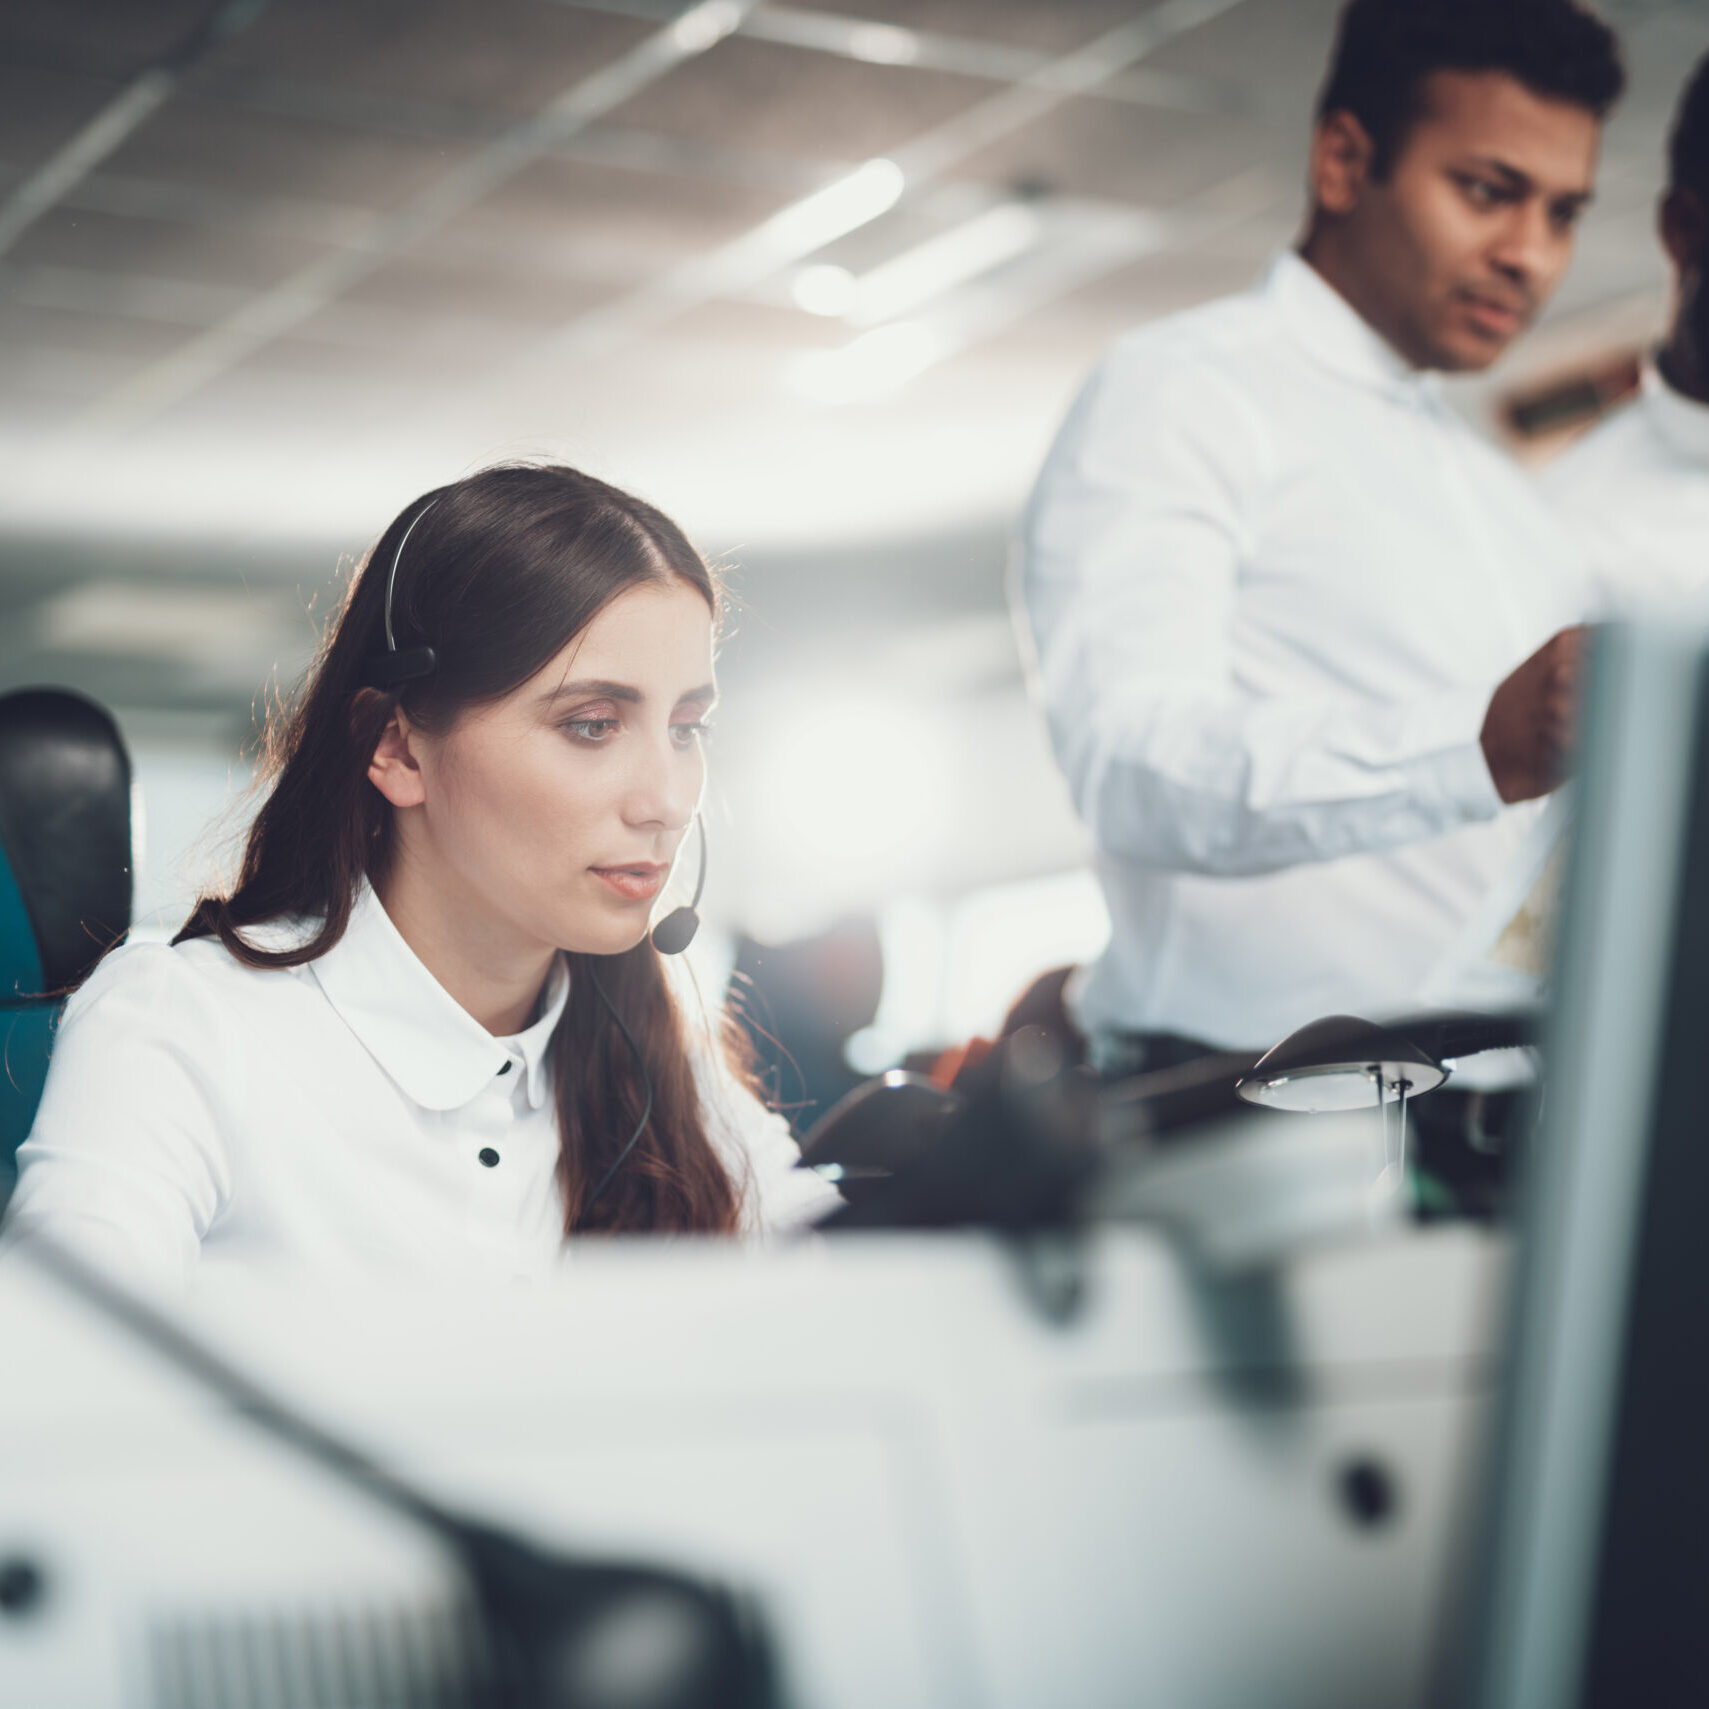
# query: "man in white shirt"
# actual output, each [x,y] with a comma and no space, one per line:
[1301,635]
[1636,488]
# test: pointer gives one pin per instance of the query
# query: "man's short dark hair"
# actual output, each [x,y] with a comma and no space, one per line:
[1688,141]
[1384,50]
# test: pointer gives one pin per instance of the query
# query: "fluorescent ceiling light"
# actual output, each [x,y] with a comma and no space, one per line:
[841,207]
[824,290]
[875,363]
[851,38]
[706,26]
[187,624]
[928,270]
[883,44]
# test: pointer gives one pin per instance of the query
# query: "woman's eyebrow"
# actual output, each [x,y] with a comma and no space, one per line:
[592,689]
[598,689]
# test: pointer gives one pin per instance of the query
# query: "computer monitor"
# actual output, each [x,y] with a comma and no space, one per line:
[1594,1583]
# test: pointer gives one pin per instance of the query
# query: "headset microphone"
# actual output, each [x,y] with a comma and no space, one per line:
[675,932]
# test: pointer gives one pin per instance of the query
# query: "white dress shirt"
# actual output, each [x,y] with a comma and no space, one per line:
[1272,582]
[347,1114]
[1635,491]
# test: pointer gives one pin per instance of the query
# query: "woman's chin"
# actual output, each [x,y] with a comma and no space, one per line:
[607,937]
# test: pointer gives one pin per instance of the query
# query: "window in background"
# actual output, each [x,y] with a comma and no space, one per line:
[190,808]
[953,968]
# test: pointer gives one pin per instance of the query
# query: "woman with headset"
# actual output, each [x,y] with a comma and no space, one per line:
[428,1026]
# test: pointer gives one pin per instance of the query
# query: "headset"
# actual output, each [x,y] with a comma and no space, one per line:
[388,669]
[671,936]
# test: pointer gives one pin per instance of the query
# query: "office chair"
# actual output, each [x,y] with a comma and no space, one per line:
[65,879]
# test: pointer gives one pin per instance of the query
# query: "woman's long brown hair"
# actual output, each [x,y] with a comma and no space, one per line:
[502,572]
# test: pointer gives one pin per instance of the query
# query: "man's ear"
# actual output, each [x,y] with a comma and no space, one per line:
[1342,154]
[394,770]
[1683,222]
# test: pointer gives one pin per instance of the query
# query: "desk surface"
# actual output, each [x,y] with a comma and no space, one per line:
[943,1496]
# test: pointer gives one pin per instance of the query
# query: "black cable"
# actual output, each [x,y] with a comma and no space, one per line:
[646,1082]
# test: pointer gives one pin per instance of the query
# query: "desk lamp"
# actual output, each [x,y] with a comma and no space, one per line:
[1344,1063]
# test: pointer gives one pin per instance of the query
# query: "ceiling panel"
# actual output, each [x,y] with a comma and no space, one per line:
[126,295]
[421,289]
[759,95]
[43,326]
[48,385]
[310,398]
[203,142]
[224,254]
[506,57]
[586,220]
[1141,291]
[1056,28]
[1145,156]
[118,36]
[284,217]
[413,367]
[764,326]
[41,108]
[1272,46]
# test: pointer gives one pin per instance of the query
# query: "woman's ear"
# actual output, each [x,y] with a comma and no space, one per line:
[394,770]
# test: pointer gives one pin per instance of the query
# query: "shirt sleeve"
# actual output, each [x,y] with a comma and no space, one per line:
[1131,555]
[777,1195]
[124,1165]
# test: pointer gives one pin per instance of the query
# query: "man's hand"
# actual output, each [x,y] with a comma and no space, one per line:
[1528,731]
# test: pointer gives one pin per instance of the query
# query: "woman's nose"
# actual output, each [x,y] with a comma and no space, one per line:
[665,790]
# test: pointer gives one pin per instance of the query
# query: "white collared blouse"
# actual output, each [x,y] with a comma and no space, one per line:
[1272,581]
[1635,490]
[344,1113]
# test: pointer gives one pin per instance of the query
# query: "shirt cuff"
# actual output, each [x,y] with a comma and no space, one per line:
[1451,756]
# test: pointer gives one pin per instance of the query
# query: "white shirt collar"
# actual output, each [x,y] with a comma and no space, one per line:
[414,1028]
[1683,422]
[1336,335]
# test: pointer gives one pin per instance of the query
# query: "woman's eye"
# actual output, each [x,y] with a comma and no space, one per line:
[590,729]
[1480,192]
[684,735]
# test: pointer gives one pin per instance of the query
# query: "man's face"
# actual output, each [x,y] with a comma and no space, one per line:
[1456,251]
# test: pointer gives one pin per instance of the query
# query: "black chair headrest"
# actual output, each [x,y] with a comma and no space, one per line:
[65,826]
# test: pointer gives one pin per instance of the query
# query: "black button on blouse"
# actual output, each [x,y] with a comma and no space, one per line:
[488,1156]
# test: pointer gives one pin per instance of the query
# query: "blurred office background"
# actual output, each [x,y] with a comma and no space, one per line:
[820,282]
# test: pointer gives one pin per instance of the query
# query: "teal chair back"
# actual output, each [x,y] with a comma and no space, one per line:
[65,879]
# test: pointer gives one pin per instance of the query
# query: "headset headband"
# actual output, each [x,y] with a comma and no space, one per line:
[388,669]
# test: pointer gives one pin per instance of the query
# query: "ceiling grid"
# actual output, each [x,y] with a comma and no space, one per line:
[354,244]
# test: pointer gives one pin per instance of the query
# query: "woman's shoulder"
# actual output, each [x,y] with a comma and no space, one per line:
[170,980]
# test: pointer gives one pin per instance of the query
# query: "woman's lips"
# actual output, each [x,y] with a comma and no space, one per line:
[638,883]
